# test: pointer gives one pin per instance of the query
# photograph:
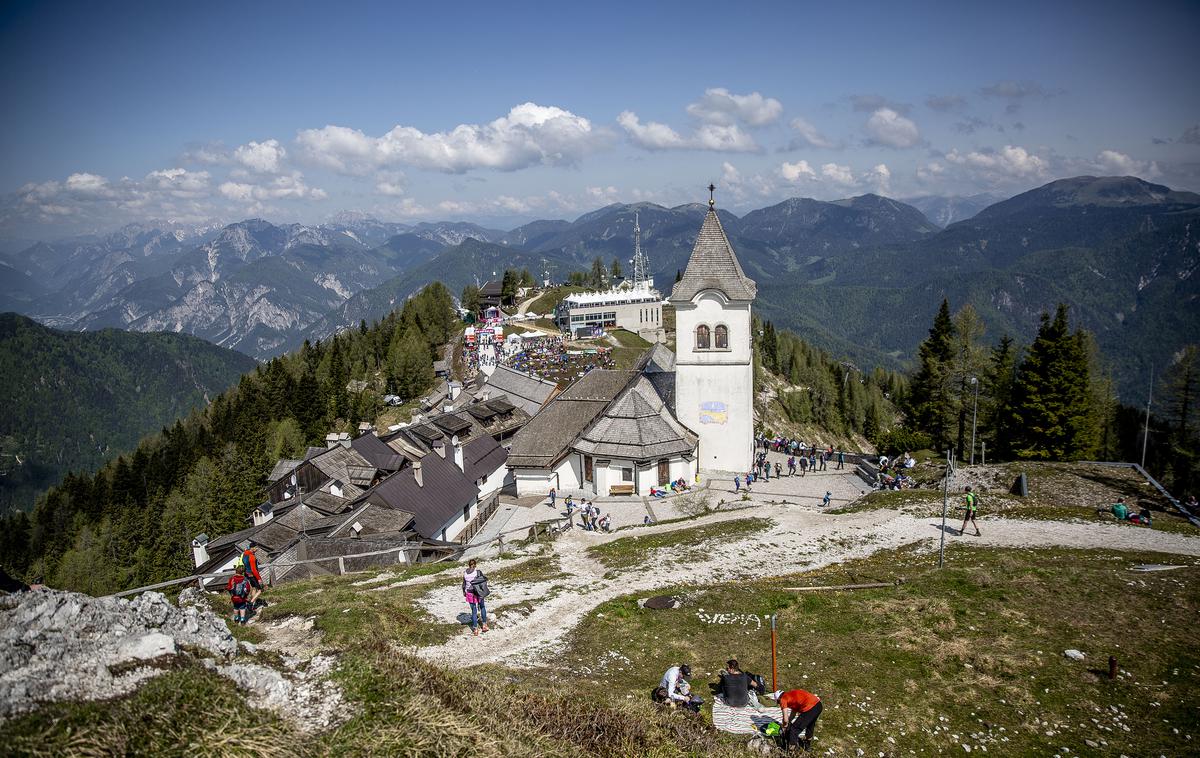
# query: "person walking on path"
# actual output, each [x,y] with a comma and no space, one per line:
[553,496]
[803,465]
[971,503]
[841,458]
[824,459]
[778,469]
[249,561]
[801,709]
[737,483]
[475,590]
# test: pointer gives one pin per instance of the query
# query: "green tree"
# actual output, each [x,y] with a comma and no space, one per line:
[599,278]
[470,298]
[1180,386]
[930,398]
[966,371]
[410,367]
[617,271]
[527,278]
[1053,418]
[997,397]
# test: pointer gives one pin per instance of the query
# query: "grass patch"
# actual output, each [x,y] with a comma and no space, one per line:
[189,711]
[346,614]
[626,338]
[971,654]
[549,300]
[684,543]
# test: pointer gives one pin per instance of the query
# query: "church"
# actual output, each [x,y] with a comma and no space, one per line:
[673,416]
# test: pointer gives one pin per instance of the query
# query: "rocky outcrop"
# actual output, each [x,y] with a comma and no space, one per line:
[68,646]
[58,646]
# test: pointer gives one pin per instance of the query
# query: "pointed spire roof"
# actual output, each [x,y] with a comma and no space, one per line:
[713,265]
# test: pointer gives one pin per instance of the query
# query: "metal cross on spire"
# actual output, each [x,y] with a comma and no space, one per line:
[711,198]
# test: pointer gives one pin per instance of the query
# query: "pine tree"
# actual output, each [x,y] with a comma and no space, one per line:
[410,367]
[966,370]
[1053,418]
[599,273]
[470,298]
[617,271]
[1180,387]
[929,396]
[997,413]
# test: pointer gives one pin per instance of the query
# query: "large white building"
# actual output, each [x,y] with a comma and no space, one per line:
[624,432]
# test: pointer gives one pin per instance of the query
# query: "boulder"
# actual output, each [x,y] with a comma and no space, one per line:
[1073,654]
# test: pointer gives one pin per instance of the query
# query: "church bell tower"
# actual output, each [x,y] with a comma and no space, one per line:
[714,372]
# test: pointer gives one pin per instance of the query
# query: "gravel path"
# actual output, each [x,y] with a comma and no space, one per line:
[797,539]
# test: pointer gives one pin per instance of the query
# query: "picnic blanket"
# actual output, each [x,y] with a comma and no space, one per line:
[746,720]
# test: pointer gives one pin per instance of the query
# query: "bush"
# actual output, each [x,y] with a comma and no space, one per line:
[899,440]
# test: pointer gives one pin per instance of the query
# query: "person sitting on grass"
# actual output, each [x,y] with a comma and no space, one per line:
[674,689]
[734,685]
[1118,510]
[238,587]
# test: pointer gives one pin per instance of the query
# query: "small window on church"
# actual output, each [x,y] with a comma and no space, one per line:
[702,342]
[721,337]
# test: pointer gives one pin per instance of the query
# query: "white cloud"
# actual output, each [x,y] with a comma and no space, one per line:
[1010,162]
[930,172]
[838,174]
[88,184]
[179,182]
[262,157]
[286,187]
[794,172]
[720,106]
[1116,163]
[887,127]
[810,135]
[716,137]
[529,135]
[880,179]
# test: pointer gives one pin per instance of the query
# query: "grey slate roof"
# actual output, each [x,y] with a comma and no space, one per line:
[445,490]
[282,469]
[549,434]
[526,391]
[482,456]
[376,453]
[638,426]
[713,266]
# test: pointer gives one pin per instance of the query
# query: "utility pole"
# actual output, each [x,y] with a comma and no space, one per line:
[1146,432]
[974,417]
[945,504]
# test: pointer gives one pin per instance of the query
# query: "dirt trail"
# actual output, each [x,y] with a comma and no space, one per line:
[798,539]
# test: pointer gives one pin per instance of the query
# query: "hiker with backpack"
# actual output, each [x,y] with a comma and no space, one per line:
[249,561]
[800,709]
[475,590]
[734,685]
[239,589]
[971,503]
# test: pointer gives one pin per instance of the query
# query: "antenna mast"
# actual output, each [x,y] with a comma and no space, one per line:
[640,264]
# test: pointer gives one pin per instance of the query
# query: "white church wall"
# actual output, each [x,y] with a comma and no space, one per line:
[714,388]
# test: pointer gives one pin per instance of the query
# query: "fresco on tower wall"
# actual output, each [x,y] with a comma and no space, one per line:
[713,412]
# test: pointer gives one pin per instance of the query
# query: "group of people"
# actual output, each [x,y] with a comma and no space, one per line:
[590,516]
[893,472]
[246,585]
[1121,512]
[677,486]
[803,453]
[799,709]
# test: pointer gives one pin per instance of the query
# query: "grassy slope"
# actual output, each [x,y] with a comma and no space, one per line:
[971,654]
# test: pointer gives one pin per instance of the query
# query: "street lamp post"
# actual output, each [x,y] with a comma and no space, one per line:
[974,417]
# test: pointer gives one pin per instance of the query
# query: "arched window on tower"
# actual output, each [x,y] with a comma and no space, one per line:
[702,342]
[721,337]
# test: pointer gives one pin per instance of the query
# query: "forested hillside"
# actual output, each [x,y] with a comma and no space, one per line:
[73,400]
[131,523]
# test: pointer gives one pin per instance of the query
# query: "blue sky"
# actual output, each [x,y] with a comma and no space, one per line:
[500,113]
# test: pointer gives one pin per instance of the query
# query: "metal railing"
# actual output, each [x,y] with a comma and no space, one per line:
[270,568]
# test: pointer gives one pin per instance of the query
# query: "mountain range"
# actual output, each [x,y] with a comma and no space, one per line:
[72,400]
[860,276]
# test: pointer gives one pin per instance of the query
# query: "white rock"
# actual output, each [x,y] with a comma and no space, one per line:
[1073,654]
[144,648]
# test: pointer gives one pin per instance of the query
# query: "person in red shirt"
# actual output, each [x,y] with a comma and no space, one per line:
[800,711]
[250,562]
[239,589]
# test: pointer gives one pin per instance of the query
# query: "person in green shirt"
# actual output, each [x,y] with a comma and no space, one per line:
[1119,510]
[971,503]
